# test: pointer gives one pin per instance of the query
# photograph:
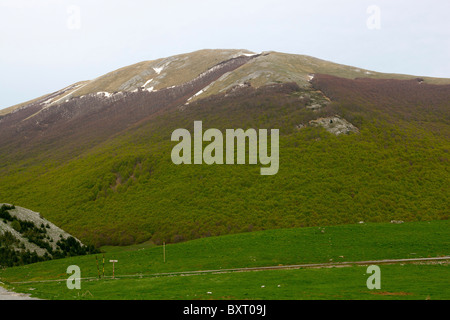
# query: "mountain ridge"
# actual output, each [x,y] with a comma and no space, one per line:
[267,70]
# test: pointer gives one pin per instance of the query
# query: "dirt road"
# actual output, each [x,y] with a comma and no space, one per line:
[8,295]
[279,267]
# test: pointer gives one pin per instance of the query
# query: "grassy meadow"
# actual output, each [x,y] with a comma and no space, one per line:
[138,265]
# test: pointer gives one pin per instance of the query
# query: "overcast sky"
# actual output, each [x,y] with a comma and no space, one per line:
[49,44]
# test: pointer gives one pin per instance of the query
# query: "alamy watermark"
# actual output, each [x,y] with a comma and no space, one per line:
[374,281]
[235,147]
[373,22]
[74,18]
[74,280]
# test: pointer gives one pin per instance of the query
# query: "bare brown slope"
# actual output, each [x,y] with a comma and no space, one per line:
[412,101]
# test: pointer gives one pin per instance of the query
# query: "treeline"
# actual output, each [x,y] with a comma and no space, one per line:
[95,117]
[14,253]
[410,100]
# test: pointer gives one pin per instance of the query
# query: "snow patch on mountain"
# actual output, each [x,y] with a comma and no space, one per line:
[103,93]
[145,84]
[158,70]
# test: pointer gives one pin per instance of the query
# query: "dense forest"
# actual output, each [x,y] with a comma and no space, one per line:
[126,189]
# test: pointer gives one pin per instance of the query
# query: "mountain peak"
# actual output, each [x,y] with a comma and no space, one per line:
[268,67]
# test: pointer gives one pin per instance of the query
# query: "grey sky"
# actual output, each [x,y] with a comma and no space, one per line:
[44,47]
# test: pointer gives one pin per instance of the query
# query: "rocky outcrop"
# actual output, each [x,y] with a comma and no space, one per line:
[335,125]
[51,235]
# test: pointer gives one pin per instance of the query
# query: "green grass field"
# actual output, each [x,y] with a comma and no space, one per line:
[418,282]
[264,248]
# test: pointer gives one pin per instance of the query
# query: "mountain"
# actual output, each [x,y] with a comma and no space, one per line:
[265,68]
[95,157]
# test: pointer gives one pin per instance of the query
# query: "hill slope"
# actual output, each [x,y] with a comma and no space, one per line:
[26,237]
[99,164]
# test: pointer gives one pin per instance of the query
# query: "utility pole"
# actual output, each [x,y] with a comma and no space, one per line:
[164,251]
[113,262]
[98,269]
